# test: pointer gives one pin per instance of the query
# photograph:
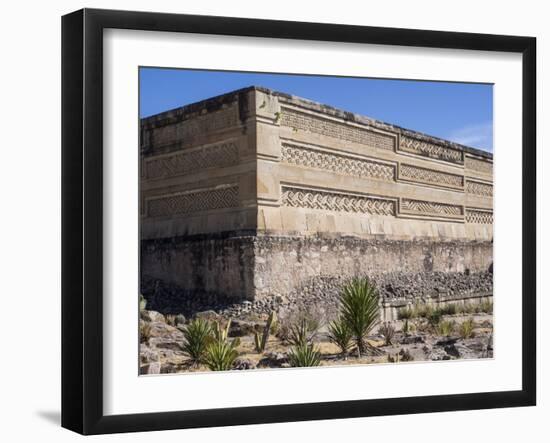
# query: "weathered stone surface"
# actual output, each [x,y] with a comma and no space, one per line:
[256,195]
[244,363]
[397,290]
[152,316]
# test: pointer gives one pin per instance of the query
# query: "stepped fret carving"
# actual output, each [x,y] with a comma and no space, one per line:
[338,163]
[431,176]
[222,155]
[194,127]
[477,216]
[430,208]
[423,148]
[477,165]
[334,129]
[226,196]
[478,188]
[336,201]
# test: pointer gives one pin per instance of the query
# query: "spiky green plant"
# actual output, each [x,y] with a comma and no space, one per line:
[387,331]
[359,310]
[424,310]
[299,333]
[197,335]
[340,334]
[434,318]
[221,354]
[466,328]
[445,328]
[304,355]
[306,320]
[448,309]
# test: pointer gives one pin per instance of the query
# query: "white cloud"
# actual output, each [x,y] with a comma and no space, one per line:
[477,136]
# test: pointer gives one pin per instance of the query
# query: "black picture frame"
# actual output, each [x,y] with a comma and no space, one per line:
[82,218]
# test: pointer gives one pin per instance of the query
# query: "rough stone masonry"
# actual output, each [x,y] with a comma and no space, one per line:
[258,193]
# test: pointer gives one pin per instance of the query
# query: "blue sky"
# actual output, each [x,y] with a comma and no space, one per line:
[461,112]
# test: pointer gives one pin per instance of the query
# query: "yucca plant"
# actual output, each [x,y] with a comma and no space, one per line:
[304,355]
[221,355]
[359,310]
[197,336]
[466,328]
[305,321]
[300,333]
[387,331]
[340,334]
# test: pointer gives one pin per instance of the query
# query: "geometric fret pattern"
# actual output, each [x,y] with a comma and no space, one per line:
[424,175]
[420,147]
[338,163]
[477,165]
[225,196]
[477,216]
[222,155]
[478,188]
[430,208]
[329,128]
[335,201]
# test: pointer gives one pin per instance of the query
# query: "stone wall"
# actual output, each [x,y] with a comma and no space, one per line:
[206,265]
[316,191]
[284,263]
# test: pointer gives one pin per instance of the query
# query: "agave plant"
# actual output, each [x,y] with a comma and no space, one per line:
[299,333]
[359,310]
[340,334]
[304,355]
[221,354]
[197,336]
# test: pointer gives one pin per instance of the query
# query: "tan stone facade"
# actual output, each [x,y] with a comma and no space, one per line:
[256,163]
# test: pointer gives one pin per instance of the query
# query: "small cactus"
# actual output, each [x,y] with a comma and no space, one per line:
[260,342]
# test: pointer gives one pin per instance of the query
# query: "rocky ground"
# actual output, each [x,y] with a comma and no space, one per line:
[323,290]
[161,349]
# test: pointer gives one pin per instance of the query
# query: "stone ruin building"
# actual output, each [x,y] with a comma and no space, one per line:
[256,192]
